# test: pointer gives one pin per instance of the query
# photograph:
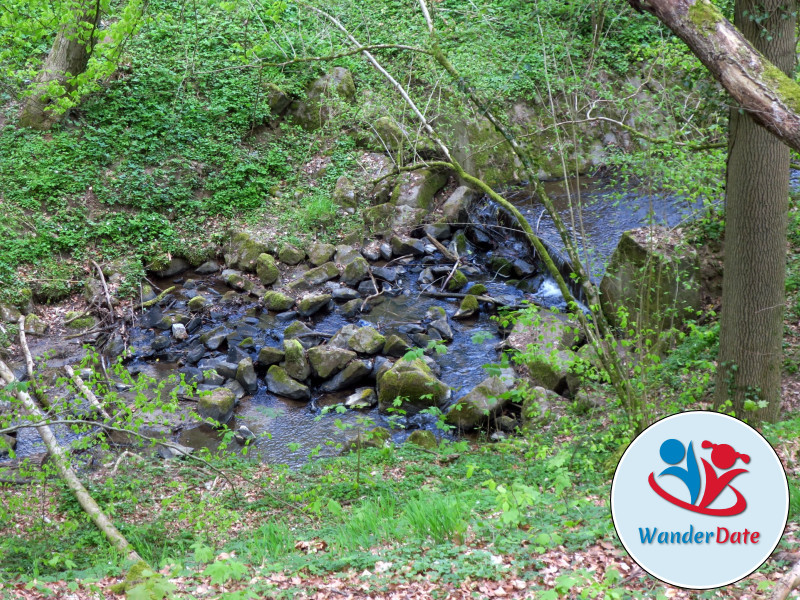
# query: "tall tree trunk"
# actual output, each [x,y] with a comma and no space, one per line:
[756,206]
[68,58]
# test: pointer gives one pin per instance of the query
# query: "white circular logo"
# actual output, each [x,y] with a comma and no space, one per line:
[699,500]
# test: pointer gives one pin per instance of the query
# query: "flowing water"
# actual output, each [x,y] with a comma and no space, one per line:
[290,431]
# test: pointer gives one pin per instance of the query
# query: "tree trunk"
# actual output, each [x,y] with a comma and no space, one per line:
[756,205]
[68,58]
[770,97]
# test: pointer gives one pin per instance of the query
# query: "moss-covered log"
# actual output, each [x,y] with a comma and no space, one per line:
[771,98]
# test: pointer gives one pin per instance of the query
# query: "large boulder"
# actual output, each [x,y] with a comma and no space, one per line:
[355,271]
[315,110]
[652,278]
[313,278]
[416,189]
[413,384]
[480,405]
[456,207]
[218,405]
[320,253]
[280,384]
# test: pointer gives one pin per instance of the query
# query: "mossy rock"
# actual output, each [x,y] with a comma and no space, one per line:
[85,322]
[198,303]
[291,255]
[267,269]
[326,361]
[279,383]
[377,437]
[457,281]
[478,406]
[295,361]
[218,405]
[423,438]
[319,253]
[277,301]
[35,325]
[477,289]
[244,251]
[366,340]
[413,383]
[468,308]
[417,188]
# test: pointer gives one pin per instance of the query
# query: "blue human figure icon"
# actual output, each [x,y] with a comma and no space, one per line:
[672,452]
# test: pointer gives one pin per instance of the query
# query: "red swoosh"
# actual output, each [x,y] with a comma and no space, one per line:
[739,507]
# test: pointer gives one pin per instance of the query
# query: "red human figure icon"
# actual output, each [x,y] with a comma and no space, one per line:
[724,457]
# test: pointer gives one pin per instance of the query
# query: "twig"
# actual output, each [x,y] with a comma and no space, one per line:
[105,290]
[454,295]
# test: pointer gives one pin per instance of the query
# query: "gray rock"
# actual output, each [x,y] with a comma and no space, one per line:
[371,252]
[279,383]
[225,368]
[243,435]
[386,251]
[244,251]
[456,207]
[208,267]
[218,405]
[413,383]
[366,340]
[237,281]
[173,451]
[344,193]
[175,266]
[439,231]
[312,304]
[235,387]
[416,189]
[319,253]
[246,375]
[194,354]
[314,278]
[267,269]
[361,399]
[341,339]
[352,308]
[315,110]
[291,255]
[212,377]
[354,372]
[478,406]
[402,246]
[343,294]
[277,301]
[269,356]
[326,361]
[34,325]
[214,339]
[385,273]
[160,342]
[198,303]
[395,346]
[441,326]
[295,362]
[355,271]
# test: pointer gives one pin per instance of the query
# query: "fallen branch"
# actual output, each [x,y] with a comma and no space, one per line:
[787,583]
[441,248]
[105,290]
[68,475]
[454,295]
[158,298]
[23,342]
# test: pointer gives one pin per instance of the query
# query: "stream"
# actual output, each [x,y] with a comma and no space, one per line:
[289,431]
